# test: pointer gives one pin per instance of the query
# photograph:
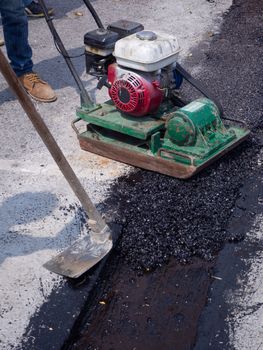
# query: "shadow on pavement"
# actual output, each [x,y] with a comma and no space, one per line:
[28,208]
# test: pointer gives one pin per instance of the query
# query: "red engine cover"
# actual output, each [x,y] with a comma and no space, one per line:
[133,94]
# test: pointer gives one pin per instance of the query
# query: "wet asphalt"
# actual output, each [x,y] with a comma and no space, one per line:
[224,314]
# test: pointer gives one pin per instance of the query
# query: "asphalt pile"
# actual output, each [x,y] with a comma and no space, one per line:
[164,217]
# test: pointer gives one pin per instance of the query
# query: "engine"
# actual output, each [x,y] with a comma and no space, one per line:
[137,66]
[134,93]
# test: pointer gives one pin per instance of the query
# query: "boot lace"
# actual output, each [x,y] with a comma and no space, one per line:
[34,78]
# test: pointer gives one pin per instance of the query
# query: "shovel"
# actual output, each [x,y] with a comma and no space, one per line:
[89,250]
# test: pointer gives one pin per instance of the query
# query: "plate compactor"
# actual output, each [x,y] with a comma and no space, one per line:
[146,123]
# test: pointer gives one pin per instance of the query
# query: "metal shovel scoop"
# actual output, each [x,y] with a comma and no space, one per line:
[87,251]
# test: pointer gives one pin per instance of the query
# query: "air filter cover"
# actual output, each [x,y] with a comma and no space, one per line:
[146,51]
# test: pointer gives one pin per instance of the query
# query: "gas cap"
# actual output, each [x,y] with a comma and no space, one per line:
[101,31]
[146,35]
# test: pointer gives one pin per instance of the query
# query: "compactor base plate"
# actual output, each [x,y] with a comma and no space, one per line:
[134,155]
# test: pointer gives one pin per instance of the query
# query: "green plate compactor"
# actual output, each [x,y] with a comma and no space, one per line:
[146,123]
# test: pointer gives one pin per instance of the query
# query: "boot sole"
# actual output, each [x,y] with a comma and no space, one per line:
[53,99]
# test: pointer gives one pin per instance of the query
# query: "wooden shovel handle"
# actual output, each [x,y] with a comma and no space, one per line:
[43,131]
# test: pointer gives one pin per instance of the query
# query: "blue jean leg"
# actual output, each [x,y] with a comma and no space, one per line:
[15,27]
[27,2]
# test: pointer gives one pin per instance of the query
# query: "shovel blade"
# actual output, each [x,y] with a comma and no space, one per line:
[82,255]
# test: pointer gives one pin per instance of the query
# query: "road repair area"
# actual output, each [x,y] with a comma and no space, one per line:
[186,270]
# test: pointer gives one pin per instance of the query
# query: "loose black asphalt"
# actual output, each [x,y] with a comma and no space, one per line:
[166,219]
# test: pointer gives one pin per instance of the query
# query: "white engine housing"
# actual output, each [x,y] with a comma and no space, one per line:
[147,51]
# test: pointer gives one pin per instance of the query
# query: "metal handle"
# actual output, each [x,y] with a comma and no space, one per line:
[186,156]
[96,219]
[85,98]
[93,13]
[75,121]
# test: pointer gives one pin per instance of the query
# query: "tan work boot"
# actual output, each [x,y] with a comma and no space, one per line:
[1,41]
[37,88]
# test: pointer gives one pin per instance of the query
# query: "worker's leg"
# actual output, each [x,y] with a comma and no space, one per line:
[15,26]
[27,2]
